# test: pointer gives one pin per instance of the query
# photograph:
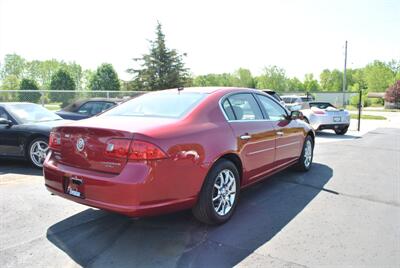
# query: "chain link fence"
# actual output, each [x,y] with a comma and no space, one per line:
[56,99]
[338,99]
[53,99]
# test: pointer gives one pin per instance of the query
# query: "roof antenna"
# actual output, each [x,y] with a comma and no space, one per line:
[180,89]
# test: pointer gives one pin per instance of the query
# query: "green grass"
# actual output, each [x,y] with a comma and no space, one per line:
[53,106]
[368,117]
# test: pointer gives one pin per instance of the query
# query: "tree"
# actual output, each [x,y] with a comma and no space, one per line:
[243,78]
[310,84]
[162,68]
[11,82]
[274,78]
[331,80]
[13,65]
[378,76]
[105,78]
[62,81]
[392,94]
[29,84]
[295,85]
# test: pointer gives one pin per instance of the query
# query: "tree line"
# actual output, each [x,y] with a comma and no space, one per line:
[164,68]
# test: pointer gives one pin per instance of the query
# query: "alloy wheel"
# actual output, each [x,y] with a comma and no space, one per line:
[38,152]
[224,192]
[308,153]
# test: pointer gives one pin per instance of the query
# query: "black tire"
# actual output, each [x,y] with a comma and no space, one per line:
[34,163]
[302,164]
[341,131]
[204,209]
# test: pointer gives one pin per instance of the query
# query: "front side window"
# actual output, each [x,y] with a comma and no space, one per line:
[244,107]
[274,111]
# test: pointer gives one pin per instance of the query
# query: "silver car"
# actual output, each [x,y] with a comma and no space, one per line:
[323,115]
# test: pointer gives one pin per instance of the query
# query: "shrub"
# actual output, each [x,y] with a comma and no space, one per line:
[62,80]
[392,94]
[29,84]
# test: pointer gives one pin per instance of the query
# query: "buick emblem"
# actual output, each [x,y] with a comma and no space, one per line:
[80,144]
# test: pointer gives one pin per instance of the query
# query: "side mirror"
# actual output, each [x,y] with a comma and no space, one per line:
[296,115]
[4,121]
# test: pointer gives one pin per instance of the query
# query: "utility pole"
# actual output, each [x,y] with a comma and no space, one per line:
[344,73]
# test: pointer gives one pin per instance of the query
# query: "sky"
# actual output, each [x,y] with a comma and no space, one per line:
[302,36]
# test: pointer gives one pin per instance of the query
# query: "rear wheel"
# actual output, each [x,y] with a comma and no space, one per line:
[219,194]
[341,131]
[305,160]
[37,151]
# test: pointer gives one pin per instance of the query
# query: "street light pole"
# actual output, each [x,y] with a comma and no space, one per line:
[345,74]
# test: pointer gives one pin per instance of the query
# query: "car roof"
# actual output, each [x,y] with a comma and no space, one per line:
[210,90]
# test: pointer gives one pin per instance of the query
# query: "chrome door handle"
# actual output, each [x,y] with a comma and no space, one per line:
[279,133]
[245,137]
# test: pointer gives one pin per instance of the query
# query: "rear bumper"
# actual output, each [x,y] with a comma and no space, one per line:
[333,126]
[140,189]
[319,122]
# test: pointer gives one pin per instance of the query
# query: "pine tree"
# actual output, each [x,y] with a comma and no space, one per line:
[162,68]
[105,78]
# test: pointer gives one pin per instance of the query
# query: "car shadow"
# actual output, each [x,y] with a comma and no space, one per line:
[332,135]
[97,238]
[20,167]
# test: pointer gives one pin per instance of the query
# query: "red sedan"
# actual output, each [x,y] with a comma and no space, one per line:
[177,149]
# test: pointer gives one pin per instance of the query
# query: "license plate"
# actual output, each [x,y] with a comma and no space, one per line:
[74,186]
[337,119]
[74,193]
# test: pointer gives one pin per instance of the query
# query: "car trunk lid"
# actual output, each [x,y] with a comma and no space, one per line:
[85,147]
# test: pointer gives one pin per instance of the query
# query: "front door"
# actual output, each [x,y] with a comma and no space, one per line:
[9,145]
[289,135]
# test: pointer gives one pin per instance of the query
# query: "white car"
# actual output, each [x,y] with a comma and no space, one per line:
[323,115]
[292,102]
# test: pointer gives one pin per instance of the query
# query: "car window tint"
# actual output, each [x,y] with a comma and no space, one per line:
[169,104]
[97,107]
[85,108]
[245,107]
[321,105]
[274,111]
[107,105]
[228,110]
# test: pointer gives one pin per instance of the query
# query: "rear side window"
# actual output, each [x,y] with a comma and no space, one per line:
[228,110]
[243,107]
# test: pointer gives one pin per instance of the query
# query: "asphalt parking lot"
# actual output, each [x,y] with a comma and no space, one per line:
[344,212]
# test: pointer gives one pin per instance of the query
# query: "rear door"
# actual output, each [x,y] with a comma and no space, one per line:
[255,136]
[289,134]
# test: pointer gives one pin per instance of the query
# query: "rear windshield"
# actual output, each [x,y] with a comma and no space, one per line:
[289,99]
[158,104]
[321,105]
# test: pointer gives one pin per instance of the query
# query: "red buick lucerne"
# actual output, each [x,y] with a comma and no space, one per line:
[177,149]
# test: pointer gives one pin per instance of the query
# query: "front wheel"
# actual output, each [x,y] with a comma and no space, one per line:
[37,151]
[219,194]
[305,160]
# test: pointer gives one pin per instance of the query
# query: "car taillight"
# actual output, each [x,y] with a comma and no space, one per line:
[141,150]
[135,150]
[54,140]
[319,112]
[118,148]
